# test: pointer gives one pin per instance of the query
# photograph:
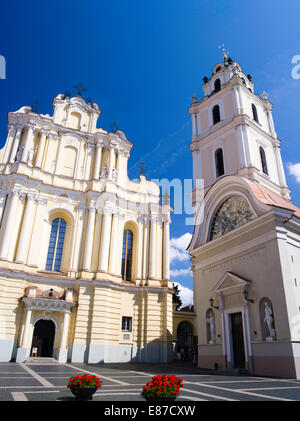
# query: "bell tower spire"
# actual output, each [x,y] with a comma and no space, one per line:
[233,131]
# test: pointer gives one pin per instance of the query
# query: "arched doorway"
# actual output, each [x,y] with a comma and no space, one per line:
[185,339]
[43,338]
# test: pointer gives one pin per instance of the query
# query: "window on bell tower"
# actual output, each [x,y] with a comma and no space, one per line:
[263,160]
[254,113]
[216,114]
[217,85]
[219,162]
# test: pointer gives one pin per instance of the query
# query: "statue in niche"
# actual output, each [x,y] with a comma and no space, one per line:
[19,154]
[104,171]
[114,174]
[269,320]
[212,327]
[30,157]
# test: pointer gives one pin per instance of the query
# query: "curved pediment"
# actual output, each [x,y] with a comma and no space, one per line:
[228,204]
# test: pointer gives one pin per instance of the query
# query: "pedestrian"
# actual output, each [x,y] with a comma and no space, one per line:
[182,353]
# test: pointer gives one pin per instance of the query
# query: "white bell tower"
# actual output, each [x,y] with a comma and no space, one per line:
[233,131]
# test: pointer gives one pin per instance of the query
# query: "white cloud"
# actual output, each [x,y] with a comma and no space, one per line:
[180,272]
[178,247]
[294,169]
[185,294]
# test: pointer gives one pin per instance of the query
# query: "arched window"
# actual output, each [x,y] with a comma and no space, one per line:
[56,244]
[216,114]
[254,113]
[231,214]
[219,161]
[263,160]
[127,255]
[217,85]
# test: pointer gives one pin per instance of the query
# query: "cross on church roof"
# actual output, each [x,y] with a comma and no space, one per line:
[142,167]
[79,88]
[114,127]
[35,106]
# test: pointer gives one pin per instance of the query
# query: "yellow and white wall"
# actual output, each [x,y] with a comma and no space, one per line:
[62,166]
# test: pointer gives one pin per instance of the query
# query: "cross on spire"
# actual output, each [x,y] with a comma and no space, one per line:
[225,53]
[114,127]
[35,106]
[142,167]
[79,88]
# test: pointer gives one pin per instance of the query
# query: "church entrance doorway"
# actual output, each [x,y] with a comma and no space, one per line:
[43,338]
[237,335]
[185,340]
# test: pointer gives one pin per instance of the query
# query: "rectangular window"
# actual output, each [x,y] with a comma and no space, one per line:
[126,324]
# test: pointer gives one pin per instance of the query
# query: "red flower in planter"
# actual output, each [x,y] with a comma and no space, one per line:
[165,385]
[85,381]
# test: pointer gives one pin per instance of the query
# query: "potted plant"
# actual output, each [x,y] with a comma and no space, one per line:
[162,388]
[83,387]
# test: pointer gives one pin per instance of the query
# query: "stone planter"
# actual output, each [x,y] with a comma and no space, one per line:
[160,398]
[83,393]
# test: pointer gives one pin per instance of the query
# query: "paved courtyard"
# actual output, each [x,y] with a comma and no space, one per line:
[123,382]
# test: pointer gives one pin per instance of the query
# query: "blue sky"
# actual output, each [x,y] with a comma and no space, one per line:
[142,62]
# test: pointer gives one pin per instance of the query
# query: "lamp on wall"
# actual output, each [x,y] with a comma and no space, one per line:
[245,294]
[211,302]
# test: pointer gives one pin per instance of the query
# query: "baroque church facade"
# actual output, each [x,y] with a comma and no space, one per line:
[84,251]
[246,242]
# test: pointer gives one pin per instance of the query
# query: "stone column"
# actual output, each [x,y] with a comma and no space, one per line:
[40,152]
[241,147]
[198,124]
[146,247]
[152,263]
[88,247]
[111,161]
[270,121]
[23,350]
[8,222]
[25,229]
[194,155]
[235,97]
[115,244]
[139,272]
[241,110]
[194,124]
[97,163]
[250,161]
[105,240]
[27,142]
[65,330]
[281,175]
[25,339]
[62,353]
[34,254]
[9,142]
[166,250]
[119,167]
[2,204]
[16,143]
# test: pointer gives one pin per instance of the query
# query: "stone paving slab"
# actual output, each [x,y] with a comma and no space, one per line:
[123,382]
